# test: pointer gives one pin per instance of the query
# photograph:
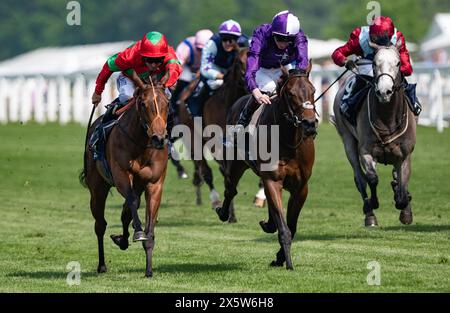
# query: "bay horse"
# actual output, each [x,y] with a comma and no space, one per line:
[214,113]
[137,154]
[293,111]
[385,132]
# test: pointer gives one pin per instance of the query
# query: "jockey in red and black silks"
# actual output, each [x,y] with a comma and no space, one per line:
[381,32]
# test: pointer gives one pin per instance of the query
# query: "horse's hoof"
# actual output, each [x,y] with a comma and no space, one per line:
[406,217]
[267,228]
[216,204]
[120,241]
[232,220]
[222,216]
[276,263]
[370,221]
[198,202]
[289,267]
[101,269]
[259,203]
[139,236]
[149,274]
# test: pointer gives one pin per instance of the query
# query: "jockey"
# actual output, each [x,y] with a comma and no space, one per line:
[281,43]
[217,57]
[189,53]
[147,57]
[381,32]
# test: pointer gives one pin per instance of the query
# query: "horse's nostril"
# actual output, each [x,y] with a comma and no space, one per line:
[389,92]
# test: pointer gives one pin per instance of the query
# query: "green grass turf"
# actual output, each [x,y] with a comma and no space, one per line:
[45,223]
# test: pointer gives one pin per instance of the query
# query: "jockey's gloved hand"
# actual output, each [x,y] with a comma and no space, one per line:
[351,65]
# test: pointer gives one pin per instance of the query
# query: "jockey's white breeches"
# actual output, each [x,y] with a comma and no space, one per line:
[267,78]
[126,88]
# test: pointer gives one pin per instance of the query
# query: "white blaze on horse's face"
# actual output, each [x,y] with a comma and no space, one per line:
[386,68]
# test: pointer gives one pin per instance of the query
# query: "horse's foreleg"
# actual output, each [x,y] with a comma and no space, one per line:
[98,199]
[260,197]
[401,196]
[153,194]
[372,179]
[124,184]
[197,182]
[207,175]
[233,171]
[273,192]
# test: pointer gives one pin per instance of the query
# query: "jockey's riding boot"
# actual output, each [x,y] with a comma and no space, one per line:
[246,115]
[170,124]
[110,109]
[410,91]
[94,141]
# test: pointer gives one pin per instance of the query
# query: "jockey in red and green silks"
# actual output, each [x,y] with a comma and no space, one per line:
[147,57]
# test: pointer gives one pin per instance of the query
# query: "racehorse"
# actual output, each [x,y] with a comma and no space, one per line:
[137,154]
[293,111]
[385,132]
[214,113]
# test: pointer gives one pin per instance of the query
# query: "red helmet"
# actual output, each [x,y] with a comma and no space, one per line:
[382,26]
[154,45]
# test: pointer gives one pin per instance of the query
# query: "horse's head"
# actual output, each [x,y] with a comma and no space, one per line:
[236,74]
[152,107]
[296,93]
[386,69]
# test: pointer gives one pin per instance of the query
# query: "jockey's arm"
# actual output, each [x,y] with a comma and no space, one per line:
[352,46]
[405,61]
[172,68]
[253,62]
[301,44]
[207,67]
[108,68]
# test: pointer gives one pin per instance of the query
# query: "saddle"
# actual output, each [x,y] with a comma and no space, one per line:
[97,142]
[200,94]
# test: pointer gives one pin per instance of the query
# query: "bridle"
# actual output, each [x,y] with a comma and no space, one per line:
[290,116]
[396,86]
[143,120]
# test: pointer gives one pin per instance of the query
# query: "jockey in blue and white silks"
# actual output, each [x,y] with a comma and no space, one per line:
[217,57]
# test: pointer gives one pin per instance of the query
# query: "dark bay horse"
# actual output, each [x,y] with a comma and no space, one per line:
[293,111]
[385,132]
[214,113]
[137,156]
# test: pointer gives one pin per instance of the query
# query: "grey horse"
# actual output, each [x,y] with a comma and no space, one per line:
[385,132]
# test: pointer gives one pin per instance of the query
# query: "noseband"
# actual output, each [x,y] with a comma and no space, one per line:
[291,117]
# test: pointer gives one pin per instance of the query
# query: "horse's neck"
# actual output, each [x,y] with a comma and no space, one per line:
[132,124]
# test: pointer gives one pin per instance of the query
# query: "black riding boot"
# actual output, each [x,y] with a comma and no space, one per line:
[170,124]
[246,115]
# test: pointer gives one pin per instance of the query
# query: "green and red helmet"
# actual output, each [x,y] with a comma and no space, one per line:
[154,45]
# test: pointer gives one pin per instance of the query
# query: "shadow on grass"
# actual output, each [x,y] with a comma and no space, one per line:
[191,268]
[47,275]
[419,228]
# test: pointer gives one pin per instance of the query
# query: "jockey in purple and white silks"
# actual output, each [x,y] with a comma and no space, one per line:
[217,58]
[281,43]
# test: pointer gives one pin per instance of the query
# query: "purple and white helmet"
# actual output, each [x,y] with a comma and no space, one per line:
[230,27]
[285,24]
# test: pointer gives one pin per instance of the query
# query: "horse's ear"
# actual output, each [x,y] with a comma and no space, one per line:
[308,69]
[373,45]
[399,44]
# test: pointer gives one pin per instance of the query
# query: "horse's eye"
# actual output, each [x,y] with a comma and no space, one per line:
[398,64]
